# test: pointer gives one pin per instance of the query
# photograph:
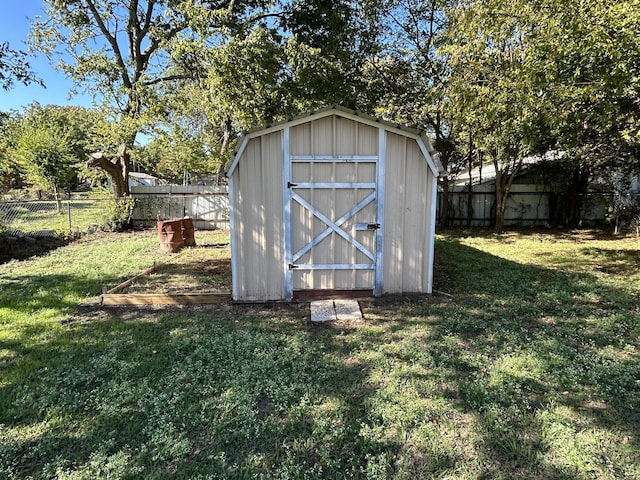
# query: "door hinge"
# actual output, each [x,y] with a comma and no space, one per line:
[289,184]
[373,226]
[292,266]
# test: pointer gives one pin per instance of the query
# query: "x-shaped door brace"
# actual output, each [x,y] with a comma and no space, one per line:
[333,226]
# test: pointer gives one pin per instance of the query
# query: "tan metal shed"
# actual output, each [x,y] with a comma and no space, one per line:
[332,201]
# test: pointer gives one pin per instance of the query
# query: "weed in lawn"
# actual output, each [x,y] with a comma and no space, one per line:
[530,371]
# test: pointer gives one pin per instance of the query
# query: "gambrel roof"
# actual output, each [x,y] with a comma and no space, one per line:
[427,149]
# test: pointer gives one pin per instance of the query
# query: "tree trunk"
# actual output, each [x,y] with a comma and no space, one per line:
[501,201]
[227,133]
[578,186]
[57,199]
[504,180]
[445,147]
[444,210]
[470,192]
[118,170]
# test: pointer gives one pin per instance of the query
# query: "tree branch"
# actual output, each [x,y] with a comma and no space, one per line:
[90,4]
[167,78]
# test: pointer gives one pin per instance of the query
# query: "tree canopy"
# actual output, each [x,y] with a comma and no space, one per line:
[489,80]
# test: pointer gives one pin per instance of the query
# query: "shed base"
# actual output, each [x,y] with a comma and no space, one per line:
[330,294]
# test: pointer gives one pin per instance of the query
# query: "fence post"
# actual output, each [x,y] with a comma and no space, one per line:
[69,211]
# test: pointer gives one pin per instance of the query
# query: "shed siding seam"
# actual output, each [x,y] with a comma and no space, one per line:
[432,234]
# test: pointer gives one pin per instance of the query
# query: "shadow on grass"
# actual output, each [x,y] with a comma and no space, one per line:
[615,262]
[526,373]
[34,247]
[546,363]
[138,393]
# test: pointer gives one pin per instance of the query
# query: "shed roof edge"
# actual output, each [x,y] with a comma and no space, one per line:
[330,110]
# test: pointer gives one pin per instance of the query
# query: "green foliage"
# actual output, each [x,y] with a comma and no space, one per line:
[291,70]
[122,68]
[119,214]
[14,67]
[46,157]
[586,62]
[490,82]
[170,156]
[489,79]
[495,103]
[8,137]
[51,141]
[258,72]
[250,64]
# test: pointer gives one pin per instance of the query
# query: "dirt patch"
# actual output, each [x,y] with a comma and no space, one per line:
[200,269]
[186,274]
[286,313]
[20,248]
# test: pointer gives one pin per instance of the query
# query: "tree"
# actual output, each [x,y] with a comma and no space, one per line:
[51,142]
[130,53]
[489,45]
[273,65]
[15,67]
[409,77]
[123,51]
[309,54]
[9,169]
[586,61]
[47,159]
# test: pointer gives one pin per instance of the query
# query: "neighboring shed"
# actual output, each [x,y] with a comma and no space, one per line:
[142,179]
[329,202]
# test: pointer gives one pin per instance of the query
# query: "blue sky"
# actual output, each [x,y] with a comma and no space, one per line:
[15,23]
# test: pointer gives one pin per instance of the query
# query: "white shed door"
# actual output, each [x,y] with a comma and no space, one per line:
[334,225]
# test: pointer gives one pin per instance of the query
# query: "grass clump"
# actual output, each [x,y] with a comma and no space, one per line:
[530,371]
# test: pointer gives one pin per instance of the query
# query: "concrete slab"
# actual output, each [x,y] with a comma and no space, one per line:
[322,311]
[342,309]
[347,309]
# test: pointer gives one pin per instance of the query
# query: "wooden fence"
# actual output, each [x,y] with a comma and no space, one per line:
[524,209]
[207,206]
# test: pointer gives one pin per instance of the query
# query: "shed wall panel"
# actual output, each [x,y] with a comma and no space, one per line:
[258,232]
[407,217]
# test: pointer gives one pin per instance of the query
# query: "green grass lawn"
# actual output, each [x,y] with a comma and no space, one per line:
[530,370]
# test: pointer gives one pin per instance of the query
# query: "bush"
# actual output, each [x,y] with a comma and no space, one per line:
[119,215]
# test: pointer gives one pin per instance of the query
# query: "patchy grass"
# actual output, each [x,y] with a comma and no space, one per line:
[531,371]
[204,268]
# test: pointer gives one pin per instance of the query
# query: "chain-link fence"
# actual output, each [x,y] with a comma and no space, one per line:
[43,218]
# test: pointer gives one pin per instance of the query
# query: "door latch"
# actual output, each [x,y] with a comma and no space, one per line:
[373,226]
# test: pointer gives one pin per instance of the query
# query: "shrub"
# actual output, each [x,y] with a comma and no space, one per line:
[119,214]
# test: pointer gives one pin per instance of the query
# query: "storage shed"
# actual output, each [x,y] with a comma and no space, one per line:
[330,202]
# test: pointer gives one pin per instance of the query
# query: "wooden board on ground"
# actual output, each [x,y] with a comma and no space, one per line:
[164,298]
